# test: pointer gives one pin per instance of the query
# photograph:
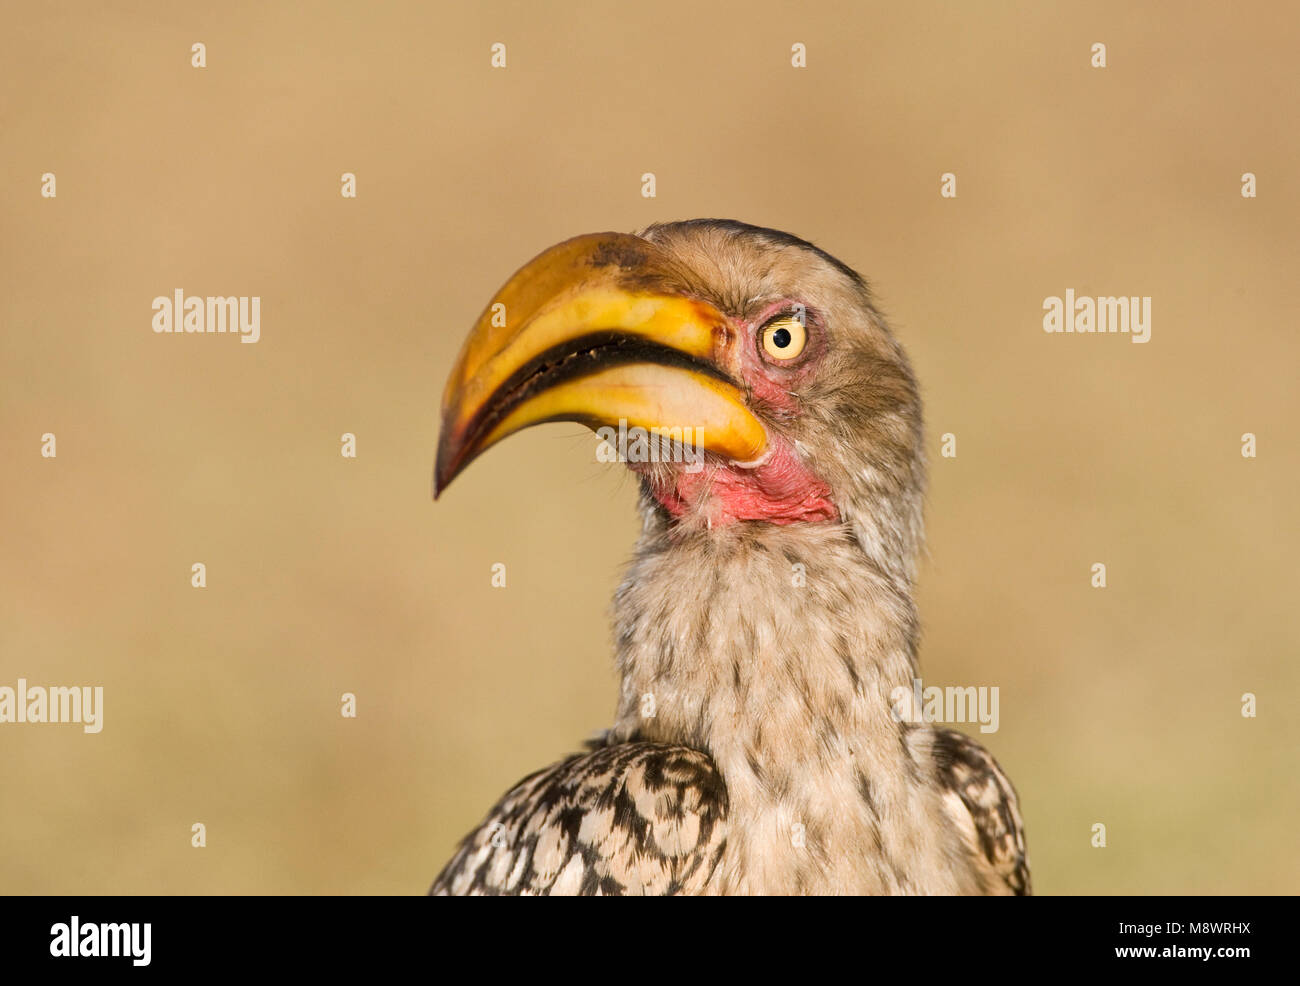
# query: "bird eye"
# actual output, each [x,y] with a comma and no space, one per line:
[784,337]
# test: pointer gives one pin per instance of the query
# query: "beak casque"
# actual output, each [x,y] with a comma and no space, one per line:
[592,331]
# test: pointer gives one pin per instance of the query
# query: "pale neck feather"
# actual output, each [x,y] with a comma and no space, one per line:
[776,650]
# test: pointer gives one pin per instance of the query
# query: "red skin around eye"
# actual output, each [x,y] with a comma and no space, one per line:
[770,381]
[783,490]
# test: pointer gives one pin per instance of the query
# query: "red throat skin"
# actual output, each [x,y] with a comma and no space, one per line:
[782,490]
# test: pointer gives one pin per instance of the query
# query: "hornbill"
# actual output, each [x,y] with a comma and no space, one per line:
[766,623]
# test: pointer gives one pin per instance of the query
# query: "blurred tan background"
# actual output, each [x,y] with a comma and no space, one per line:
[328,575]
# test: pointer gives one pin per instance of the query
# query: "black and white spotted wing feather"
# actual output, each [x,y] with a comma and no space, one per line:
[980,793]
[631,818]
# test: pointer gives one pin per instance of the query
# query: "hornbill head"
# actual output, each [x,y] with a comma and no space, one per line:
[769,350]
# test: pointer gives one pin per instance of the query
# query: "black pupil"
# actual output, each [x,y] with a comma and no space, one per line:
[781,337]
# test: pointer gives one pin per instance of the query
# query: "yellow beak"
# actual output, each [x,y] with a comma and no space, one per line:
[592,331]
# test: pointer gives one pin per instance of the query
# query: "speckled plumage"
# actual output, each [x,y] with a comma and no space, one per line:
[632,818]
[754,750]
